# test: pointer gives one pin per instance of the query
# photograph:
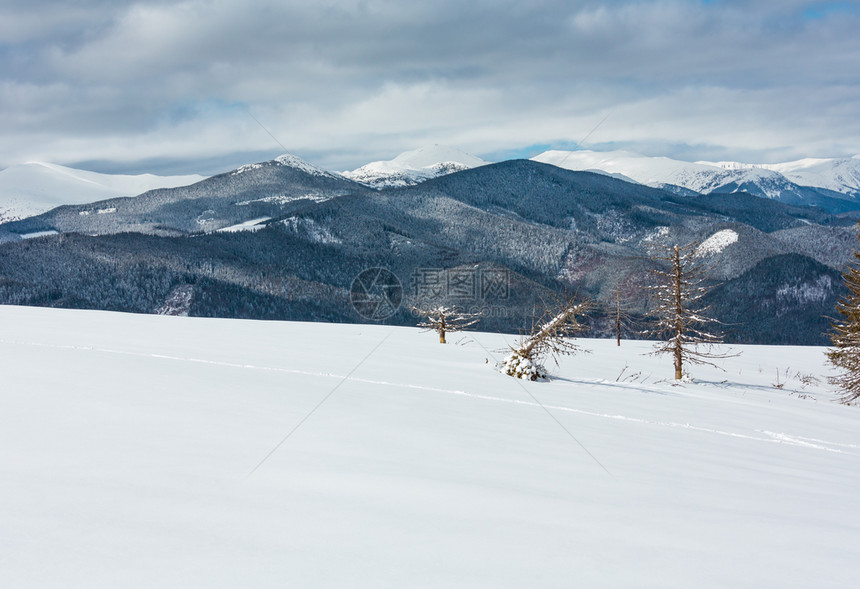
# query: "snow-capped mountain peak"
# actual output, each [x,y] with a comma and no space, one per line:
[427,156]
[798,182]
[651,171]
[292,161]
[288,160]
[415,166]
[838,174]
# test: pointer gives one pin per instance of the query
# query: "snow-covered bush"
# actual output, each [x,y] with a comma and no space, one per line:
[520,366]
[550,337]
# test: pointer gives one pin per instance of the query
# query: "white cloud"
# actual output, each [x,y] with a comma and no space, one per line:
[350,81]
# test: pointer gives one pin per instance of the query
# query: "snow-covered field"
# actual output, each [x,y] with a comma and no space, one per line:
[143,451]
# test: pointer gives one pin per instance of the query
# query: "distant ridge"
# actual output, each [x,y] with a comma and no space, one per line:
[833,184]
[249,193]
[413,167]
[36,187]
[285,240]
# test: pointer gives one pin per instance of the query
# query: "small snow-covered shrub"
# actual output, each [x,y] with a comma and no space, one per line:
[520,366]
[549,338]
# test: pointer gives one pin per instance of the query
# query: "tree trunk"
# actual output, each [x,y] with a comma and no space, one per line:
[442,336]
[548,329]
[679,314]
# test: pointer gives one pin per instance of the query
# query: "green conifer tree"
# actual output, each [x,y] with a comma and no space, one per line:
[845,353]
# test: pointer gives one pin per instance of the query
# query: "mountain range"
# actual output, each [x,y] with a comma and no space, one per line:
[413,167]
[286,240]
[35,187]
[830,183]
[833,184]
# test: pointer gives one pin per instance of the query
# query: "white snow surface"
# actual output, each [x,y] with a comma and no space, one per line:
[251,225]
[717,242]
[36,234]
[149,451]
[35,187]
[652,171]
[313,230]
[839,174]
[413,167]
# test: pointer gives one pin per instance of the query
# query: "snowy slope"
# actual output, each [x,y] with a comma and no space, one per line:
[414,167]
[146,451]
[652,171]
[33,188]
[290,161]
[789,182]
[838,174]
[702,177]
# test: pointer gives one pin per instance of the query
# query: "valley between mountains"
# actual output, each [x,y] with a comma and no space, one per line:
[284,239]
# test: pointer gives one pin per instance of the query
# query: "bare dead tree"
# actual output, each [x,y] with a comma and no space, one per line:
[550,337]
[444,320]
[845,353]
[681,317]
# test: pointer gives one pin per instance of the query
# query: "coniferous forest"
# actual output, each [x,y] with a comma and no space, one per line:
[773,270]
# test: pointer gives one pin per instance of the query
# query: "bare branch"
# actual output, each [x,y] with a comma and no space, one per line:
[551,337]
[443,320]
[680,317]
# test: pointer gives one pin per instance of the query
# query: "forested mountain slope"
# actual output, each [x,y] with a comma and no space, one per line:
[302,236]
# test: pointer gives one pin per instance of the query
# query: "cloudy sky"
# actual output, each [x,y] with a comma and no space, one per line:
[168,86]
